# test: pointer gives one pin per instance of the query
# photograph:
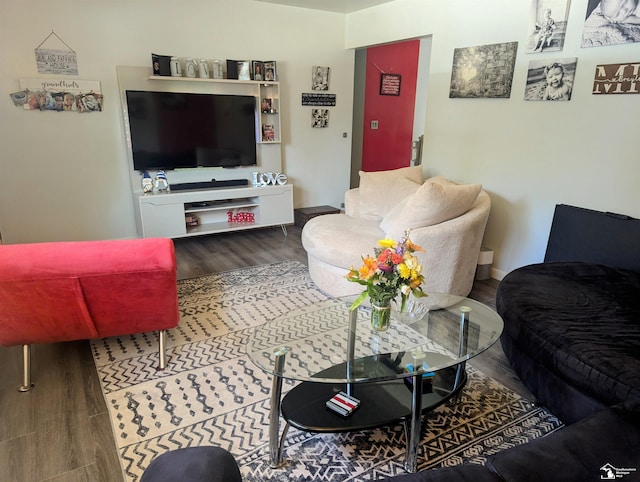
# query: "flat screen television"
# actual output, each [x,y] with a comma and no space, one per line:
[171,130]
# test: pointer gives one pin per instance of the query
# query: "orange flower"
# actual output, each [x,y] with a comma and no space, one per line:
[411,246]
[368,269]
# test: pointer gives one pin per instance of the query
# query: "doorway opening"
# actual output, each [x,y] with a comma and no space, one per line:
[388,130]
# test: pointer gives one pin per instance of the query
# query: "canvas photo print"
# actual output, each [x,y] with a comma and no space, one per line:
[550,79]
[483,71]
[320,118]
[319,78]
[547,25]
[611,22]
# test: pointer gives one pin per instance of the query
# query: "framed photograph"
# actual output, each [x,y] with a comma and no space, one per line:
[550,79]
[320,78]
[268,133]
[270,71]
[483,71]
[547,25]
[320,118]
[266,106]
[244,70]
[257,70]
[615,23]
[390,84]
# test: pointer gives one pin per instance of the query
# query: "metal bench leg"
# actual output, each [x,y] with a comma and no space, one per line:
[26,369]
[161,350]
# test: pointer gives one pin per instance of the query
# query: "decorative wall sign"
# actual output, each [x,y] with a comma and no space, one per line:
[320,78]
[56,61]
[483,71]
[550,79]
[319,99]
[320,118]
[60,95]
[617,79]
[390,84]
[261,179]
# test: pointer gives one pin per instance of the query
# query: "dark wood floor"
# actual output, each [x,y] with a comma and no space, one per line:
[60,431]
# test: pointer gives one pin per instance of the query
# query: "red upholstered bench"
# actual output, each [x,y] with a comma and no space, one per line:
[64,291]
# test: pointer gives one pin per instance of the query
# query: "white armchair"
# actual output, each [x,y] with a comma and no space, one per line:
[447,220]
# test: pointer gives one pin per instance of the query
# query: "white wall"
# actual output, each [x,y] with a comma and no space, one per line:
[529,156]
[65,176]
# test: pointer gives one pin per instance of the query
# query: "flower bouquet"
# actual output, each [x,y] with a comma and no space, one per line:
[393,270]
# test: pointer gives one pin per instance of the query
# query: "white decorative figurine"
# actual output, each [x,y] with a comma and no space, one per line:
[161,181]
[147,182]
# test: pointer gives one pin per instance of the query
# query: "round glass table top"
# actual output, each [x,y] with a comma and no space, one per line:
[327,342]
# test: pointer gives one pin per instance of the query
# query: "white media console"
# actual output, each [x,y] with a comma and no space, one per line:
[164,214]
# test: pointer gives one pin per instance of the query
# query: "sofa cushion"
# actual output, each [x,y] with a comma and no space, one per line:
[380,191]
[437,200]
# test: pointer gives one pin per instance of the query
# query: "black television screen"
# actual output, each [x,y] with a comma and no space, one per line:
[171,130]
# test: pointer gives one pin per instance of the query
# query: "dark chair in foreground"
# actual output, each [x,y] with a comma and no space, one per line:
[193,464]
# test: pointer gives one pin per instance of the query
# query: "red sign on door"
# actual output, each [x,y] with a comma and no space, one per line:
[390,84]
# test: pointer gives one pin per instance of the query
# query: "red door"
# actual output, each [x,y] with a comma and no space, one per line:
[388,119]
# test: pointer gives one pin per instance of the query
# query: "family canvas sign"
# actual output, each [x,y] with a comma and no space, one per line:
[617,79]
[70,95]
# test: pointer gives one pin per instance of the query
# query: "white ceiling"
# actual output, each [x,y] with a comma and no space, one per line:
[340,6]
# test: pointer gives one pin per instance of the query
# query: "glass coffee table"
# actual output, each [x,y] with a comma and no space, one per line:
[396,375]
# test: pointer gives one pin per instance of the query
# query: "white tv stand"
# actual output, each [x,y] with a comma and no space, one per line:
[164,214]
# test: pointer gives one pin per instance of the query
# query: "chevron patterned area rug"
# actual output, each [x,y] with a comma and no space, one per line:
[211,394]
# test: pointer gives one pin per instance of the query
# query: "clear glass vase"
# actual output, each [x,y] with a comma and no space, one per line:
[380,315]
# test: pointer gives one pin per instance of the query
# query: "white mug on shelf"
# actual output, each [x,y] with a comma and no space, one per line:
[203,69]
[190,67]
[176,69]
[218,72]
